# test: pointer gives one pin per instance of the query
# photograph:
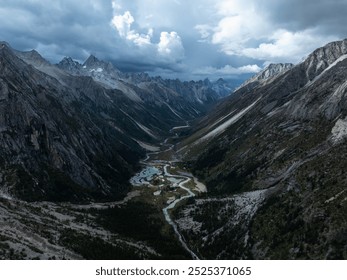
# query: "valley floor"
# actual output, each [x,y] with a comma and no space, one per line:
[138,227]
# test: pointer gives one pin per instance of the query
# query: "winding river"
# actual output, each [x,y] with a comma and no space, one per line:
[154,168]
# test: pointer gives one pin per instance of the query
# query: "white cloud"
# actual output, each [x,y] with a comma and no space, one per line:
[205,31]
[168,49]
[242,23]
[123,23]
[239,23]
[130,32]
[288,46]
[170,45]
[228,70]
[116,5]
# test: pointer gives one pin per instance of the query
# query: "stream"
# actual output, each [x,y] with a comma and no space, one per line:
[157,168]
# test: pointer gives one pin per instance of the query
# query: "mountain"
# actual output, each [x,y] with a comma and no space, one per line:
[267,75]
[142,86]
[55,139]
[272,157]
[222,87]
[76,132]
[71,137]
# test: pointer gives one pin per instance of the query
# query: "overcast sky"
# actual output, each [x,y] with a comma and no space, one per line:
[187,39]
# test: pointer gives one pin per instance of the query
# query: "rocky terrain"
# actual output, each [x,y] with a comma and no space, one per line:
[76,132]
[73,133]
[272,156]
[277,149]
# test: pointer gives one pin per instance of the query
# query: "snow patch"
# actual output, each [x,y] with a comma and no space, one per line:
[341,58]
[157,193]
[179,127]
[141,126]
[145,129]
[148,147]
[334,197]
[200,186]
[173,111]
[339,131]
[220,129]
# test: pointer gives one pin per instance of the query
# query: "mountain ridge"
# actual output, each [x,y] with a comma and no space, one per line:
[274,147]
[272,156]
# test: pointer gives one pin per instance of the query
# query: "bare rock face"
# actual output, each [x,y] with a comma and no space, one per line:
[267,75]
[53,145]
[323,57]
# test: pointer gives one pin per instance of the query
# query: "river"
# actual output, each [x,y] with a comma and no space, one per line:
[159,168]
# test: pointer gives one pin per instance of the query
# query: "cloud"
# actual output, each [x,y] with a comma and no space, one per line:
[275,31]
[168,49]
[170,45]
[174,37]
[228,70]
[123,23]
[288,46]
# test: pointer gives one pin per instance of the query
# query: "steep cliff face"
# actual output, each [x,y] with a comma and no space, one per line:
[277,149]
[59,143]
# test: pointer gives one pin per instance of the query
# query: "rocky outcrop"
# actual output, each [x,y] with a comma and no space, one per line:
[267,75]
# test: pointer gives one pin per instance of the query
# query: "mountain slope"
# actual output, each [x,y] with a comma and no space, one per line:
[189,99]
[76,132]
[267,75]
[55,141]
[277,149]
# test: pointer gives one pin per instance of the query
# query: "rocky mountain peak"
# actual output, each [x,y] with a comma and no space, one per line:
[94,63]
[32,57]
[4,44]
[271,71]
[91,61]
[8,57]
[68,64]
[323,57]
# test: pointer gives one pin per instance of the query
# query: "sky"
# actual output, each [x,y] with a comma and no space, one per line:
[190,39]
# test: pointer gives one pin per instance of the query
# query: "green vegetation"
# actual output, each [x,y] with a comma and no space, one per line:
[142,222]
[95,248]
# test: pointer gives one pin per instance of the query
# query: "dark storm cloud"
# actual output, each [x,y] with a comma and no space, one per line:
[295,15]
[70,27]
[174,37]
